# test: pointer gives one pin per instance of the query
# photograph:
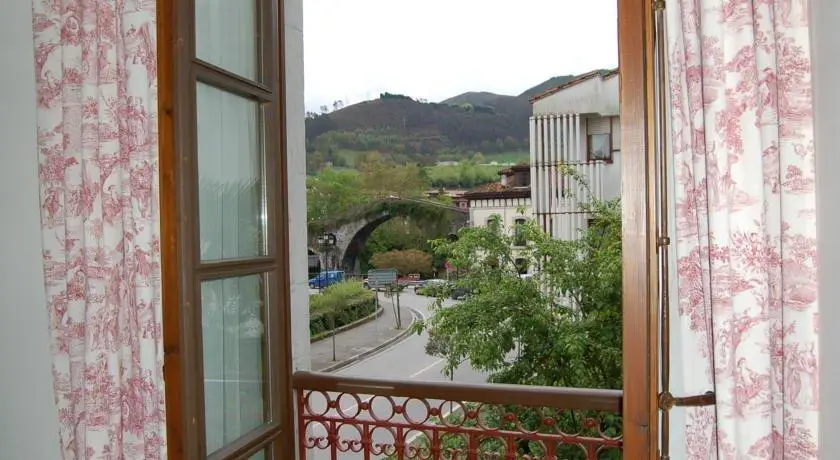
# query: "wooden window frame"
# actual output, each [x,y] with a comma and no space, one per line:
[185,437]
[182,270]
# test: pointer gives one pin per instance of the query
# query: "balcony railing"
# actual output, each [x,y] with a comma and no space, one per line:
[343,417]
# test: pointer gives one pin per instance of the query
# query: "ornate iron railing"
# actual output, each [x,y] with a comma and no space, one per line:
[342,417]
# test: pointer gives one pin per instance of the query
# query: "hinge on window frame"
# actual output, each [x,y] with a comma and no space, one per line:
[659,5]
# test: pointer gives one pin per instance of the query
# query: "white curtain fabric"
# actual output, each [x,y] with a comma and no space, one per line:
[232,224]
[97,139]
[743,165]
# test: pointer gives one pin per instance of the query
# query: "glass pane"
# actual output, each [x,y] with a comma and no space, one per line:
[261,455]
[227,35]
[599,146]
[234,370]
[230,176]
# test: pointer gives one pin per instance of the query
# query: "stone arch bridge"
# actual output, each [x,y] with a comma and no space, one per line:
[353,232]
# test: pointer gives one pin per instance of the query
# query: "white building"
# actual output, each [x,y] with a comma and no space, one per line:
[575,125]
[510,199]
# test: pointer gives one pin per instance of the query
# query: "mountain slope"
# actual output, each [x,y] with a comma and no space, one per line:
[475,98]
[472,121]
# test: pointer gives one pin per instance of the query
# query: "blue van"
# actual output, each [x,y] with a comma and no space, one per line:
[326,279]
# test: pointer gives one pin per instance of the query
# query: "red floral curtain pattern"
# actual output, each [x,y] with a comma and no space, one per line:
[97,139]
[743,151]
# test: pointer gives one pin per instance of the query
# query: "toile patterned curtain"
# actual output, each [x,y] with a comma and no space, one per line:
[97,139]
[743,156]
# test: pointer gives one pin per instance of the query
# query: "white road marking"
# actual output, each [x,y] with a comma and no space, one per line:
[375,355]
[429,367]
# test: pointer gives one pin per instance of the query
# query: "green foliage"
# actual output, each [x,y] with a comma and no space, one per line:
[443,290]
[340,304]
[406,262]
[463,175]
[338,196]
[403,233]
[560,327]
[493,417]
[394,96]
[331,192]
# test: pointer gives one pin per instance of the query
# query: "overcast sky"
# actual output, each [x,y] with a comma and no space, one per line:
[435,49]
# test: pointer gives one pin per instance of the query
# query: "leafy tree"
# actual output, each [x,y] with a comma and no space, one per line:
[511,144]
[560,327]
[381,179]
[314,162]
[406,262]
[405,233]
[331,192]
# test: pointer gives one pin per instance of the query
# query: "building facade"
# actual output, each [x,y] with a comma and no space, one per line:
[575,151]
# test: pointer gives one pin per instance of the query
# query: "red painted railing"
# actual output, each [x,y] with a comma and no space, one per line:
[341,417]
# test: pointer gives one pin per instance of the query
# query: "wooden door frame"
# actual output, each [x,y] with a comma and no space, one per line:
[639,308]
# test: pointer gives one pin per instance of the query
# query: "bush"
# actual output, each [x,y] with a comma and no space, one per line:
[443,290]
[405,262]
[348,301]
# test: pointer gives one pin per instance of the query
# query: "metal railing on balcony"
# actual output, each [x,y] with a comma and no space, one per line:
[343,417]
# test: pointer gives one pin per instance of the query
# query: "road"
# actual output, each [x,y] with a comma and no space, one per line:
[407,360]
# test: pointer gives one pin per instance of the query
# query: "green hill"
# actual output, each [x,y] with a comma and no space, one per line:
[409,130]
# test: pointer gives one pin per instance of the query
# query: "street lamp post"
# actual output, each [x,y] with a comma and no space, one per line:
[327,242]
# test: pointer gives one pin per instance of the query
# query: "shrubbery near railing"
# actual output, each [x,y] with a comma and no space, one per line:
[339,305]
[544,423]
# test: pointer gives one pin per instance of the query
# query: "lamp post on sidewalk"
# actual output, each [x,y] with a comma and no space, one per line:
[327,242]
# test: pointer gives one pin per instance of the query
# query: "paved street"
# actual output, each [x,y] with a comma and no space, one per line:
[360,339]
[406,360]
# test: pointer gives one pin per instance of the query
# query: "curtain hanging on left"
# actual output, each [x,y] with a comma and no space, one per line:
[98,150]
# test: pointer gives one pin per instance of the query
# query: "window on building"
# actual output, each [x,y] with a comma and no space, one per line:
[235,371]
[598,147]
[521,266]
[519,232]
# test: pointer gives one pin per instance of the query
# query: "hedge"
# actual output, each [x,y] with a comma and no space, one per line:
[349,300]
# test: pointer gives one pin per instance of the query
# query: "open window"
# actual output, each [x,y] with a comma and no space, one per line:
[225,237]
[226,259]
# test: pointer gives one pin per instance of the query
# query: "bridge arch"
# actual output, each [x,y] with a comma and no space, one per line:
[352,233]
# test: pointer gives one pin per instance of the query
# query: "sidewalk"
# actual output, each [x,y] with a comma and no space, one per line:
[360,339]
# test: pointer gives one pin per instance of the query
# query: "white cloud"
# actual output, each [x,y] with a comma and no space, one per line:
[434,49]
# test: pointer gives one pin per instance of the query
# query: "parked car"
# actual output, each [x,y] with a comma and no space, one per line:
[424,284]
[325,279]
[460,293]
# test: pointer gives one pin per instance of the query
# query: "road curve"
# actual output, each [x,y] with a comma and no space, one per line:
[406,360]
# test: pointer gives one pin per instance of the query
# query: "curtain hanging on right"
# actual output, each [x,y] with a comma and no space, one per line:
[743,158]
